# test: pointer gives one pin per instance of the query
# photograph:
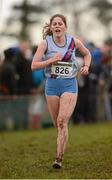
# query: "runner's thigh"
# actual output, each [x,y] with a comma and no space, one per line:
[53,106]
[67,104]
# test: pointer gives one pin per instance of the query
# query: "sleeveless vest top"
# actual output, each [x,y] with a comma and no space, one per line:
[68,56]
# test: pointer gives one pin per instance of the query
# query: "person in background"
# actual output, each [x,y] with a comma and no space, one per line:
[8,74]
[61,89]
[23,67]
[38,75]
[105,82]
[86,109]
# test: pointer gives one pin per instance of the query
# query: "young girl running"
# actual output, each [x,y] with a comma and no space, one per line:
[61,89]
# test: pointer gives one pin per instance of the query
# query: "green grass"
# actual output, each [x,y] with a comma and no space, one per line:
[30,154]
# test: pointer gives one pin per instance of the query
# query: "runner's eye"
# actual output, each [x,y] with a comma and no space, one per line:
[54,24]
[60,24]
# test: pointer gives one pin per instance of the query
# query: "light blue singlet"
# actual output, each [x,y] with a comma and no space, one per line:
[65,80]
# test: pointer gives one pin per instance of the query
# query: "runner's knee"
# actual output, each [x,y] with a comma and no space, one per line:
[61,122]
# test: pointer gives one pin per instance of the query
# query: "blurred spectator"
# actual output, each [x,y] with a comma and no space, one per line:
[100,70]
[105,83]
[38,75]
[86,108]
[87,105]
[100,54]
[8,75]
[23,68]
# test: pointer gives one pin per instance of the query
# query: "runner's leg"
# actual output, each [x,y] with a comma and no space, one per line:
[67,105]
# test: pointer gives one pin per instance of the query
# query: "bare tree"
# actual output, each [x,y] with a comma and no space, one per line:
[104,12]
[25,14]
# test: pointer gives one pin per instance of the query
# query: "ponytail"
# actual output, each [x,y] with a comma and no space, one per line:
[46,31]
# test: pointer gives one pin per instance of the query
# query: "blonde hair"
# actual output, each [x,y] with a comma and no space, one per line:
[46,29]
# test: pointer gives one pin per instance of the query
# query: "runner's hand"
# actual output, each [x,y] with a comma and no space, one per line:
[57,57]
[84,70]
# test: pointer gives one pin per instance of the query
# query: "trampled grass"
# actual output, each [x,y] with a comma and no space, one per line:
[30,154]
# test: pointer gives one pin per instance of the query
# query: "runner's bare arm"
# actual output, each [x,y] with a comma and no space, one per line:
[84,52]
[37,62]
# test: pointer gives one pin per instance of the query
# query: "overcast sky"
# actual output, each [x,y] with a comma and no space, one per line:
[6,7]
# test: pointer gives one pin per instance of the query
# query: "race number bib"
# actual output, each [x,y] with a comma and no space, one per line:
[62,68]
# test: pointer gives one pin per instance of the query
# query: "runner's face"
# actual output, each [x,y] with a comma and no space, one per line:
[58,27]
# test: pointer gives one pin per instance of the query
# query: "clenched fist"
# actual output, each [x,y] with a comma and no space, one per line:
[57,57]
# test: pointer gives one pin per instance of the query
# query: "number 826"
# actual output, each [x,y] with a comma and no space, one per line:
[62,70]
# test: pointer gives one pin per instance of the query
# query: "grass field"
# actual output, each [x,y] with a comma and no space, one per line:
[30,154]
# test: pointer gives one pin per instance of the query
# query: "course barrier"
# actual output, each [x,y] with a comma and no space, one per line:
[23,112]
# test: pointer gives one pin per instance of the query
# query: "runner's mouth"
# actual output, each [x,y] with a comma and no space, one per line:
[57,30]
